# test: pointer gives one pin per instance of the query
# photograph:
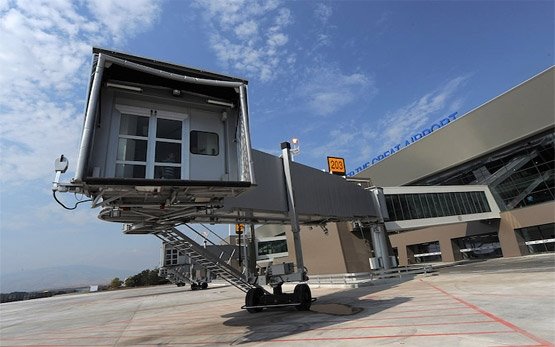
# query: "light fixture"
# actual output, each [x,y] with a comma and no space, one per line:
[221,103]
[123,86]
[295,149]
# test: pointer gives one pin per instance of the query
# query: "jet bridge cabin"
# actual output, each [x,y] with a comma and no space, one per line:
[156,132]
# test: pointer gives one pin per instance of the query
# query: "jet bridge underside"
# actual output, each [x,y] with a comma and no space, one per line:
[319,198]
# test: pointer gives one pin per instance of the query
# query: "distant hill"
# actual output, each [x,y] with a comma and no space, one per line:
[59,277]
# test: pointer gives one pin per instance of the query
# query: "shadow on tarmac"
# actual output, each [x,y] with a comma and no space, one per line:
[277,323]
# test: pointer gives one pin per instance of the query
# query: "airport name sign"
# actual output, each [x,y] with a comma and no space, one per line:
[406,143]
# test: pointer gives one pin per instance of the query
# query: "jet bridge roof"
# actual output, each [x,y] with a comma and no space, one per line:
[118,72]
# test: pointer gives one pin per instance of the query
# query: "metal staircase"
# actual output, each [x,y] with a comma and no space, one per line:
[202,257]
[178,274]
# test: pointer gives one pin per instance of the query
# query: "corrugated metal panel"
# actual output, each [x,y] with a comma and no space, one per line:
[523,111]
[317,193]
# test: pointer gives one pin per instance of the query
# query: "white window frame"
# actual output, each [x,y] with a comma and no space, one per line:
[154,114]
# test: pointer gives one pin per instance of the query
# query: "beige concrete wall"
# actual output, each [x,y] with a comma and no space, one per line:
[444,234]
[322,252]
[511,243]
[355,249]
[511,246]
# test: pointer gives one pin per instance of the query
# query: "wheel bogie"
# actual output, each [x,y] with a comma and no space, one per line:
[303,296]
[253,298]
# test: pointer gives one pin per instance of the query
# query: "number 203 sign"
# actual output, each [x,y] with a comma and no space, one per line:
[336,166]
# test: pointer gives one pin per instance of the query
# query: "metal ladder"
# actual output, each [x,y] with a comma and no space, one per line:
[202,257]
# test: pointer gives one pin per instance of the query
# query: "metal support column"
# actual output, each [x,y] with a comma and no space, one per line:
[251,266]
[379,234]
[295,227]
[379,242]
[90,115]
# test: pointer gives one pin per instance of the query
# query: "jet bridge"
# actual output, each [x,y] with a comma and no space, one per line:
[165,145]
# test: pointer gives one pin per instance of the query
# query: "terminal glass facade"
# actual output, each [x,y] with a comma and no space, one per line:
[539,238]
[433,205]
[519,175]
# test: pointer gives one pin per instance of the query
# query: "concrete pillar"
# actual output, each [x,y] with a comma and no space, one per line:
[446,248]
[457,255]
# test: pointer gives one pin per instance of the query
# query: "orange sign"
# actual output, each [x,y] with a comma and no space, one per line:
[336,166]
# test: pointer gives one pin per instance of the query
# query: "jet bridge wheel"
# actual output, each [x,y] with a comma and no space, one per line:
[253,299]
[304,296]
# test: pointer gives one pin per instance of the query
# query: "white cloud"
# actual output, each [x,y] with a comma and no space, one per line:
[406,120]
[246,30]
[248,36]
[124,18]
[327,89]
[323,12]
[46,47]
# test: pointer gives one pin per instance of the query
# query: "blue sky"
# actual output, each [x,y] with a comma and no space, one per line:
[348,79]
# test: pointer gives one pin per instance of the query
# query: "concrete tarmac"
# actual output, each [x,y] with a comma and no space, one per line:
[499,302]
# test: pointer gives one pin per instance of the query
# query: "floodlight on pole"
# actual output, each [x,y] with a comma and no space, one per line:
[295,148]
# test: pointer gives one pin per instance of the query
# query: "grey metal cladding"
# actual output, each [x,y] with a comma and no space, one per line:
[316,193]
[269,192]
[322,194]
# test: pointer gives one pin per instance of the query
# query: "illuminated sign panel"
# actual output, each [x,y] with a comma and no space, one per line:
[336,166]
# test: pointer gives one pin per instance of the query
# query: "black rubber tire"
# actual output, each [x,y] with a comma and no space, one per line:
[194,286]
[304,296]
[204,285]
[253,299]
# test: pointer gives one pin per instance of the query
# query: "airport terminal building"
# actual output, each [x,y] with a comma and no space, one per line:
[506,143]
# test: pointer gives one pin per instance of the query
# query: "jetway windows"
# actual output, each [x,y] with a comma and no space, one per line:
[132,146]
[168,149]
[538,239]
[171,257]
[204,143]
[150,143]
[432,205]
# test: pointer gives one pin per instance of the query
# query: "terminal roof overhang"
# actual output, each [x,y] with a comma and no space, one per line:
[517,114]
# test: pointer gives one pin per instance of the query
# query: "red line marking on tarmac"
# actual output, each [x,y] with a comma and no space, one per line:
[494,317]
[444,305]
[433,309]
[406,317]
[389,336]
[405,325]
[511,295]
[521,346]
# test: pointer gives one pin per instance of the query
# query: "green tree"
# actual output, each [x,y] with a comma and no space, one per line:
[145,278]
[116,283]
